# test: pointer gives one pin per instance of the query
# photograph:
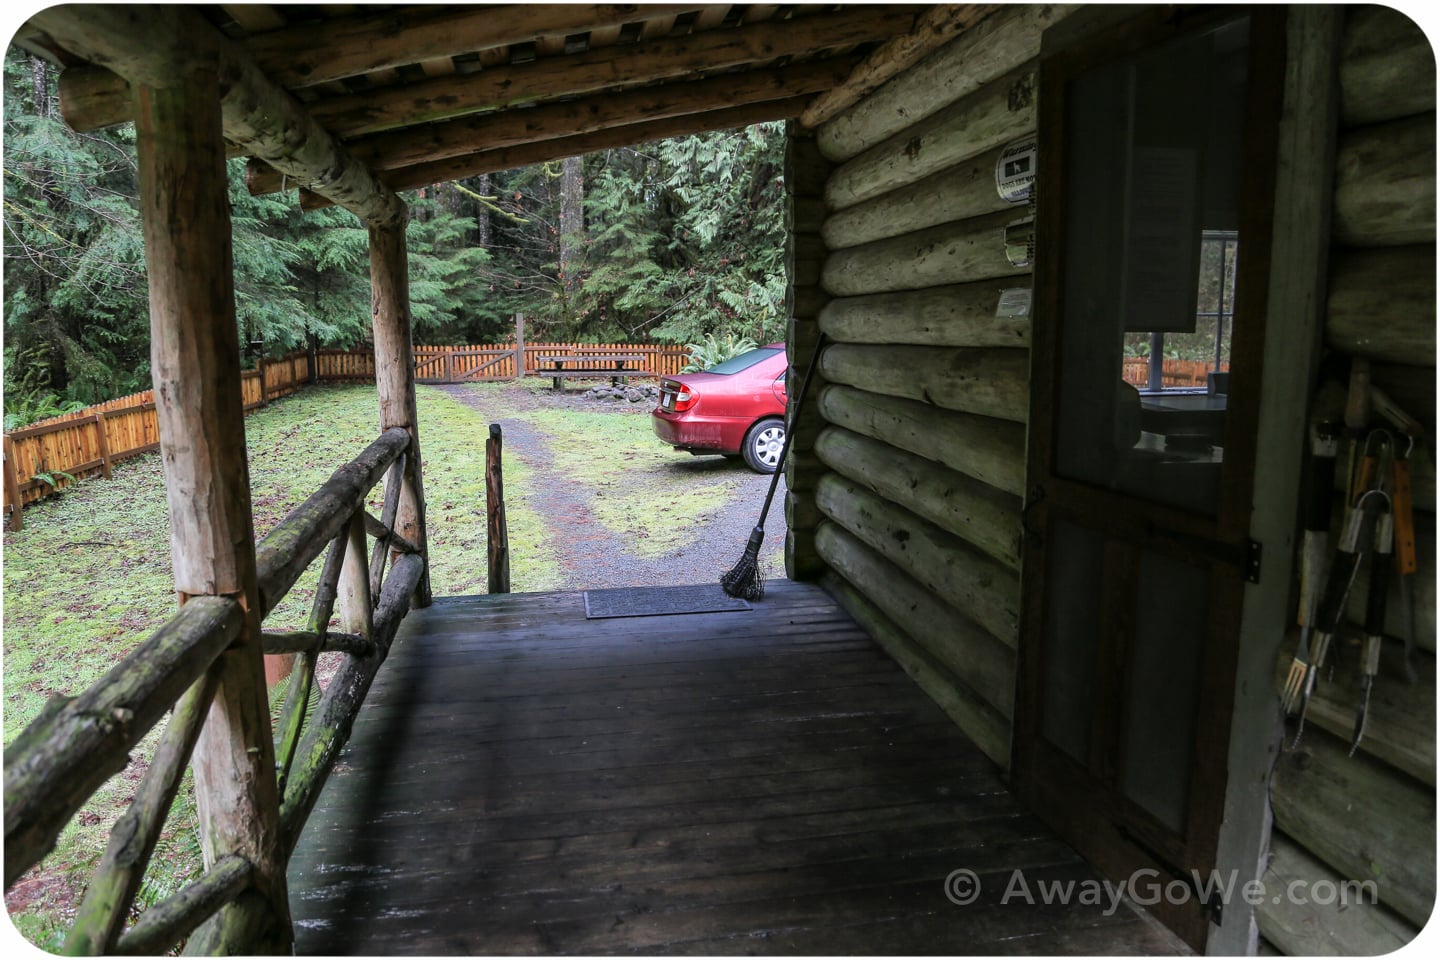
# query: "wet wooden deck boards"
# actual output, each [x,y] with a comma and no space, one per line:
[525,781]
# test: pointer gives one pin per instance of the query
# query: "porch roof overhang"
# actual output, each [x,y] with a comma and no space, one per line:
[349,104]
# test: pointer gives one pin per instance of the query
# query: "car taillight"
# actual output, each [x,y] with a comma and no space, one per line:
[677,397]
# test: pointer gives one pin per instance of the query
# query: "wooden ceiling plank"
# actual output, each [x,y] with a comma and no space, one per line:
[255,17]
[314,53]
[939,26]
[656,27]
[161,45]
[490,161]
[712,16]
[509,128]
[438,67]
[446,98]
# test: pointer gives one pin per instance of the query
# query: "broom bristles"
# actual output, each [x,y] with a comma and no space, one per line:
[743,579]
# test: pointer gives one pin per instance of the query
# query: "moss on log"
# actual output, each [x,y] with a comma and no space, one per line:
[90,737]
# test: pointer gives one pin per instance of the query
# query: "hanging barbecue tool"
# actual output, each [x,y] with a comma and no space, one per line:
[1324,446]
[1402,506]
[1358,536]
[1357,415]
[1374,610]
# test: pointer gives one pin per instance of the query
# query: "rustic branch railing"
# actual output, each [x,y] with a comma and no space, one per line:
[77,743]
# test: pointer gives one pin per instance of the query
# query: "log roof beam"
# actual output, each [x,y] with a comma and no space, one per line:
[490,161]
[89,100]
[309,55]
[938,26]
[161,45]
[512,128]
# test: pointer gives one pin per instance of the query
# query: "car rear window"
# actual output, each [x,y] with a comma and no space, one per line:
[744,362]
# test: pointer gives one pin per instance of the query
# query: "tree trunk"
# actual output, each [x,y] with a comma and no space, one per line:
[572,221]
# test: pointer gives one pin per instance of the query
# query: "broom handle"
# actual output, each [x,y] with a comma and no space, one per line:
[789,430]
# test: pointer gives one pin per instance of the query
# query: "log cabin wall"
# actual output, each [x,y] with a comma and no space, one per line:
[1371,816]
[917,473]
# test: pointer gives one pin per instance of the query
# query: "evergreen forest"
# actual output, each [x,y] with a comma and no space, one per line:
[675,241]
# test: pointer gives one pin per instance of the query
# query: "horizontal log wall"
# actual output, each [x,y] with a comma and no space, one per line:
[921,458]
[1371,817]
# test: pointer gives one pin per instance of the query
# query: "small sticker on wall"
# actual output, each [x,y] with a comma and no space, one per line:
[1014,304]
[1015,171]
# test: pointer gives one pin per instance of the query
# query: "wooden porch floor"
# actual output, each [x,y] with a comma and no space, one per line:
[525,781]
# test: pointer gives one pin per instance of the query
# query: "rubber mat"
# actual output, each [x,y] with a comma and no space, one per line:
[659,601]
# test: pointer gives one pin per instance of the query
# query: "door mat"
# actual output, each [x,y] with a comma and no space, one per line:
[659,601]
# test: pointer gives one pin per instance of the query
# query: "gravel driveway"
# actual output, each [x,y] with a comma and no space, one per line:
[595,556]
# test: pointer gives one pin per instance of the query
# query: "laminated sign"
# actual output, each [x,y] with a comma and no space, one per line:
[1015,171]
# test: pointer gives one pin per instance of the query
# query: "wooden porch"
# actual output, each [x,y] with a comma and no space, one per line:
[524,780]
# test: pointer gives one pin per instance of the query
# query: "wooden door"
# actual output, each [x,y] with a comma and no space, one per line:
[1156,166]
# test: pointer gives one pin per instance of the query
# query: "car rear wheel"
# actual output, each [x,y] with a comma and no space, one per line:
[763,443]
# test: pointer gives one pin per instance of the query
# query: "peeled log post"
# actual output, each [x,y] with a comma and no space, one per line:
[979,721]
[1363,818]
[991,382]
[1382,304]
[956,193]
[1387,67]
[977,659]
[353,588]
[975,512]
[395,378]
[951,253]
[195,365]
[990,450]
[960,315]
[984,590]
[997,113]
[987,50]
[1385,184]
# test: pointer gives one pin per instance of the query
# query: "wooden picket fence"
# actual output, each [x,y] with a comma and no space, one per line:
[1175,373]
[52,454]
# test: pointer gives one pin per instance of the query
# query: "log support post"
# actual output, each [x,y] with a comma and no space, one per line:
[195,364]
[498,533]
[395,378]
[805,174]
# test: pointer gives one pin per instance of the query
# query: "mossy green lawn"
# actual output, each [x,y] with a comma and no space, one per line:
[89,576]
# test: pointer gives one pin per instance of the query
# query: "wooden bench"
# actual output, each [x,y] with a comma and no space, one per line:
[590,365]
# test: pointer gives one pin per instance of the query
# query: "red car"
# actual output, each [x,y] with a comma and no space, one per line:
[736,408]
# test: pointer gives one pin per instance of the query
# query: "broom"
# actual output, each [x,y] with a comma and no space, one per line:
[743,579]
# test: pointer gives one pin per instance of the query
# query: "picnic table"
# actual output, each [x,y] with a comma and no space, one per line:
[578,365]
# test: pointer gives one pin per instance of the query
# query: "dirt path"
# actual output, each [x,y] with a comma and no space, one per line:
[593,555]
